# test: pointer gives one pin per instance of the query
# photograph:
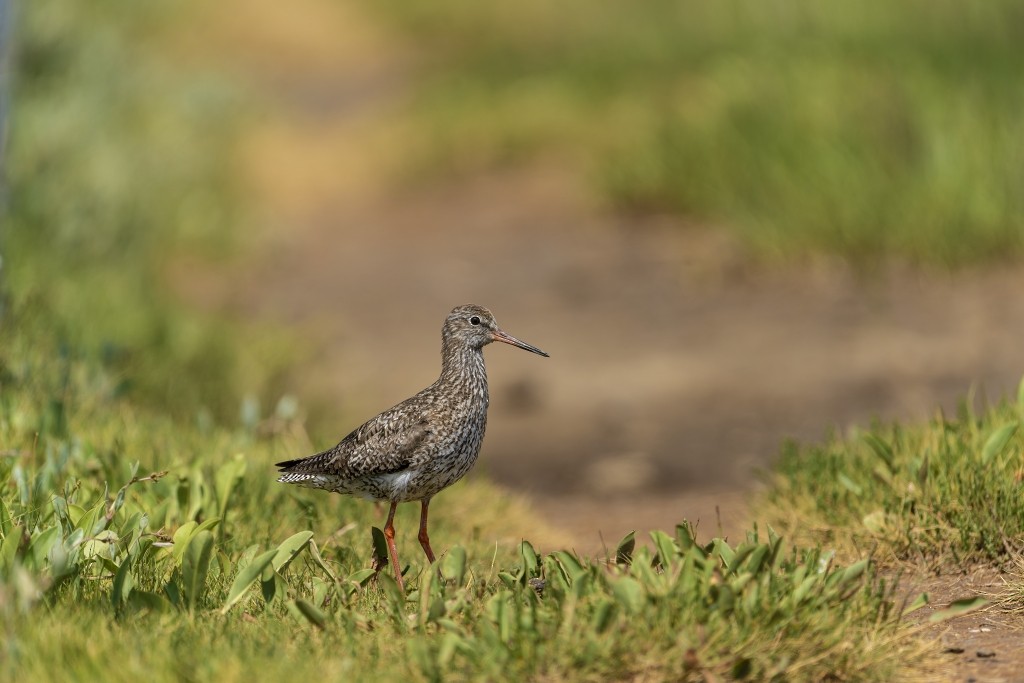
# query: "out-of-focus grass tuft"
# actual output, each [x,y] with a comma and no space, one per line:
[874,130]
[119,160]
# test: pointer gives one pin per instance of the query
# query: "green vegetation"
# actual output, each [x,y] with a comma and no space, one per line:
[868,130]
[947,492]
[142,533]
[117,161]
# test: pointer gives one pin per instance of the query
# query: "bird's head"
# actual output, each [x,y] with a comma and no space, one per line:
[474,326]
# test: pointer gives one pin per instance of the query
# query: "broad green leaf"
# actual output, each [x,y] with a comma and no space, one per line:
[755,560]
[362,576]
[624,551]
[603,614]
[181,538]
[60,508]
[321,589]
[853,572]
[997,441]
[227,477]
[804,588]
[722,549]
[39,548]
[196,492]
[667,549]
[194,567]
[101,544]
[314,552]
[742,552]
[573,567]
[246,577]
[958,608]
[507,620]
[186,533]
[9,549]
[93,521]
[629,593]
[685,535]
[427,592]
[208,525]
[453,565]
[123,584]
[171,589]
[380,547]
[391,589]
[530,561]
[312,614]
[290,549]
[918,602]
[272,585]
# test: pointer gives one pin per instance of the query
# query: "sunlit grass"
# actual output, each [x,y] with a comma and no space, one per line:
[944,493]
[877,130]
[142,534]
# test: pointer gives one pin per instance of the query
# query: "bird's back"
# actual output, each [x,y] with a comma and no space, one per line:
[408,452]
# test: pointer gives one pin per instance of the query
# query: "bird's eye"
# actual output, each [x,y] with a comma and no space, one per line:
[475,320]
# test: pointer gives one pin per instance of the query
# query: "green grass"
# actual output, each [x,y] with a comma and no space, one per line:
[168,548]
[134,542]
[872,131]
[948,492]
[142,533]
[117,162]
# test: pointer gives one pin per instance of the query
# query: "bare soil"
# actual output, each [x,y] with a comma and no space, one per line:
[986,646]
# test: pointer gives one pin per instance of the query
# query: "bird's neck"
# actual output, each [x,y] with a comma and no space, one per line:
[463,366]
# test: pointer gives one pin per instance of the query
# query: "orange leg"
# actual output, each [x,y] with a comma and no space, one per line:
[389,536]
[424,539]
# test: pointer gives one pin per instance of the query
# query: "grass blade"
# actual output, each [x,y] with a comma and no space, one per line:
[997,441]
[958,608]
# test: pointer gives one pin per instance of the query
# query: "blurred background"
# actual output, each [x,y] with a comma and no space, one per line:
[729,223]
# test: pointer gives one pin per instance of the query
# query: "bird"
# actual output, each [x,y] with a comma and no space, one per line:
[424,444]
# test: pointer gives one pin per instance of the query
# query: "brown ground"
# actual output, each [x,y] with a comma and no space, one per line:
[986,646]
[677,366]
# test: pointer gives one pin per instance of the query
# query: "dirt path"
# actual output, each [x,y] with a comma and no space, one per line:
[678,365]
[986,646]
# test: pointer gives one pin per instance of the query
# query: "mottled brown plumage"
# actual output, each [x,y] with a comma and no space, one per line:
[425,443]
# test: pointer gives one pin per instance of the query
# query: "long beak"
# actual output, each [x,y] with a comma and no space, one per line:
[509,339]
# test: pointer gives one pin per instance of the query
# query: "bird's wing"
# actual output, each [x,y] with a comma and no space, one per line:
[383,445]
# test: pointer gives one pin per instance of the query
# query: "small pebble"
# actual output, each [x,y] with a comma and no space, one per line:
[986,653]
